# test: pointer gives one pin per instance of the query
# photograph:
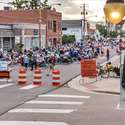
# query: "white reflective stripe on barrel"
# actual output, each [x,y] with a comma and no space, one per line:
[56,75]
[22,75]
[37,80]
[56,80]
[37,75]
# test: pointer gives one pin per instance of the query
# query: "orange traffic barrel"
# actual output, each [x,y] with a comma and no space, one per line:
[22,76]
[56,77]
[37,77]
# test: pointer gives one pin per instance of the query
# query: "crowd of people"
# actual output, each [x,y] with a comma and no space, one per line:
[60,55]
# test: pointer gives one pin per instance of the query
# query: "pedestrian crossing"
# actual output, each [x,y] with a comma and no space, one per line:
[52,107]
[6,85]
[55,102]
[64,96]
[30,123]
[28,87]
[23,87]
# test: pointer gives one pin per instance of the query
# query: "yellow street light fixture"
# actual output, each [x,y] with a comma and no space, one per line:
[114,11]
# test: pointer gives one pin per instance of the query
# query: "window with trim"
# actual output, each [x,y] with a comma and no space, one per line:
[54,26]
[64,28]
[49,25]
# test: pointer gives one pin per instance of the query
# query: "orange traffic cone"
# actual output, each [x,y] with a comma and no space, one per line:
[56,78]
[22,76]
[37,77]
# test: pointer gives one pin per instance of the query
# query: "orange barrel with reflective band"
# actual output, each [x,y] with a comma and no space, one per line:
[56,77]
[37,77]
[22,76]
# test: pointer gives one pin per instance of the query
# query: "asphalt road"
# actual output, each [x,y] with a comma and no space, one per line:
[70,107]
[13,95]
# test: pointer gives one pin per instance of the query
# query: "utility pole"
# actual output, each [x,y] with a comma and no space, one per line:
[83,6]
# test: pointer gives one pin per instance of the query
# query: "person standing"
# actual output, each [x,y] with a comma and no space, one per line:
[108,54]
[33,62]
[52,62]
[26,61]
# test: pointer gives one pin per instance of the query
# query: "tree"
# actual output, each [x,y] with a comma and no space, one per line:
[68,39]
[19,47]
[114,34]
[19,4]
[102,30]
[45,5]
[30,4]
[33,4]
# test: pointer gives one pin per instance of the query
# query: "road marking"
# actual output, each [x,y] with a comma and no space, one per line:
[28,87]
[120,108]
[55,102]
[31,123]
[64,96]
[6,85]
[5,80]
[61,111]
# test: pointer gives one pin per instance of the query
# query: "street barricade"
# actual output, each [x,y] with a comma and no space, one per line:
[22,76]
[37,77]
[4,73]
[56,77]
[88,68]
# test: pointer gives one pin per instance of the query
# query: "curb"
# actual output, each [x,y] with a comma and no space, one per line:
[107,92]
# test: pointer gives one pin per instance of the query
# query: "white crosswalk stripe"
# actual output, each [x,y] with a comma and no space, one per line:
[55,102]
[5,80]
[28,87]
[6,85]
[31,123]
[64,96]
[62,111]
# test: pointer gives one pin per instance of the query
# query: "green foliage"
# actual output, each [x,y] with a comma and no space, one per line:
[30,4]
[33,4]
[68,39]
[45,5]
[102,30]
[19,47]
[114,34]
[19,4]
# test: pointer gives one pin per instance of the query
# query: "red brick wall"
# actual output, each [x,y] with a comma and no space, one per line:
[33,16]
[21,16]
[54,16]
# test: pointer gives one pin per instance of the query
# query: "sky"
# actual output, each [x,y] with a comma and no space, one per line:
[71,8]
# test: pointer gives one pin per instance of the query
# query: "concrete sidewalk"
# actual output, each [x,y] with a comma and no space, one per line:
[108,85]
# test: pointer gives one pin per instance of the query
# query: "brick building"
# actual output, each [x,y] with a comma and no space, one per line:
[33,28]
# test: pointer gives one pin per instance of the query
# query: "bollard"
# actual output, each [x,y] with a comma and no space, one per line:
[56,77]
[22,76]
[37,77]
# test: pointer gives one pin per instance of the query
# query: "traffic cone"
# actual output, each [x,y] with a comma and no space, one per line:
[56,77]
[37,77]
[22,76]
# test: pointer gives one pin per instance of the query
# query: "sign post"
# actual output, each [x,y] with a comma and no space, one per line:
[3,66]
[88,68]
[4,73]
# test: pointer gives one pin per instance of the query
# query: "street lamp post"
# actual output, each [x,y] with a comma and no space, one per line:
[83,31]
[39,21]
[115,11]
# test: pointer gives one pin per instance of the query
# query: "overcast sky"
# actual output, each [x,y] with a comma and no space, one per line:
[71,8]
